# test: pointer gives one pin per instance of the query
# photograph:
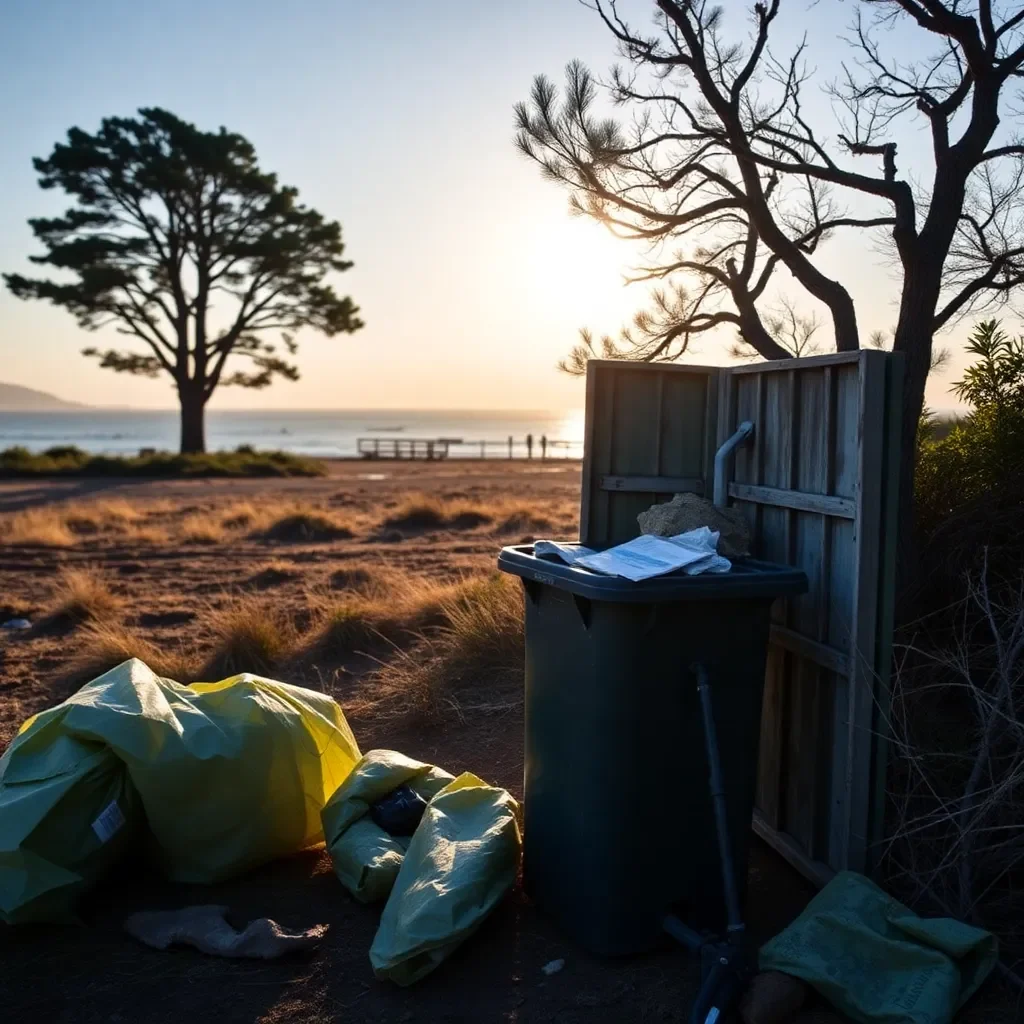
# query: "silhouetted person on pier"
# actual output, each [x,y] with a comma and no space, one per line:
[543,446]
[529,446]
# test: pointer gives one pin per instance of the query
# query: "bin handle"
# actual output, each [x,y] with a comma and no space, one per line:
[721,493]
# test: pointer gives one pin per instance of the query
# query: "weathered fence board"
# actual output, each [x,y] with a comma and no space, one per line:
[649,434]
[816,485]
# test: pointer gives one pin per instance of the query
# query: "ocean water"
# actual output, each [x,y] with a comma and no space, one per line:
[323,433]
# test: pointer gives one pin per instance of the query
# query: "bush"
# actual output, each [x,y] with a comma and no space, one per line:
[970,484]
[66,451]
[956,775]
[71,461]
[956,779]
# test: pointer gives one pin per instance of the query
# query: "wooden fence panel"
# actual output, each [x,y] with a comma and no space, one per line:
[816,483]
[814,488]
[650,433]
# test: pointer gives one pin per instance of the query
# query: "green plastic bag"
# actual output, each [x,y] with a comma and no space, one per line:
[230,774]
[876,960]
[65,819]
[461,861]
[366,858]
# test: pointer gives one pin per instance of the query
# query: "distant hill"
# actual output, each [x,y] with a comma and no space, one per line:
[15,398]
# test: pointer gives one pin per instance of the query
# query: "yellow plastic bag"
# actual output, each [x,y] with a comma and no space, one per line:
[366,858]
[230,774]
[461,861]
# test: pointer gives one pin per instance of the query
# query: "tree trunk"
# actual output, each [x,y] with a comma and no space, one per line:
[193,422]
[914,340]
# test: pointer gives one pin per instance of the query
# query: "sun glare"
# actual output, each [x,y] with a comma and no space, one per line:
[577,265]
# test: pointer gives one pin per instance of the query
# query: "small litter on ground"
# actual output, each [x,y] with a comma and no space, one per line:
[205,929]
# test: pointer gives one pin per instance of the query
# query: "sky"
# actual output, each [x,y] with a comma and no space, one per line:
[395,119]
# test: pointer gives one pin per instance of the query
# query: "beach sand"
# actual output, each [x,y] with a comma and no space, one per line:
[166,564]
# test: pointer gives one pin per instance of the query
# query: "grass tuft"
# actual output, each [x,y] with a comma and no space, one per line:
[201,528]
[81,595]
[37,527]
[355,577]
[385,609]
[250,635]
[103,645]
[417,513]
[422,512]
[524,520]
[474,661]
[97,516]
[274,574]
[304,527]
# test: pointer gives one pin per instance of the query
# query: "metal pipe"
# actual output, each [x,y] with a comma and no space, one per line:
[743,431]
[732,899]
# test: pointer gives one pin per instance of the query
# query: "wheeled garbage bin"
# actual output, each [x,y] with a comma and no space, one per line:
[619,828]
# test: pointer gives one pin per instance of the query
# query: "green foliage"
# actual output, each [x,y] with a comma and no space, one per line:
[979,462]
[172,231]
[996,380]
[71,461]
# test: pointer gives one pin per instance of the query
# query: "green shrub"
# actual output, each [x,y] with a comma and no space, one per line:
[978,465]
[67,460]
[66,451]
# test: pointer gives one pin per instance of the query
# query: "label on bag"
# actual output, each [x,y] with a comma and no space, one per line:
[109,822]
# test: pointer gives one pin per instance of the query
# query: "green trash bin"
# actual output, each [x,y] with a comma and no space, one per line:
[618,822]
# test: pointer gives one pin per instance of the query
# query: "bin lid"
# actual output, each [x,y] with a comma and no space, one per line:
[749,577]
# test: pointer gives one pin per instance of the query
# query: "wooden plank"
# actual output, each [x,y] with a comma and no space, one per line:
[758,470]
[886,606]
[802,800]
[745,409]
[780,497]
[828,485]
[771,543]
[684,424]
[726,416]
[653,484]
[642,421]
[868,527]
[814,871]
[790,454]
[659,401]
[821,654]
[847,426]
[587,509]
[806,362]
[842,569]
[808,807]
[633,445]
[770,756]
[711,442]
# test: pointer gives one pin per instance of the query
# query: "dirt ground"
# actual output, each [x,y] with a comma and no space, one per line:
[91,971]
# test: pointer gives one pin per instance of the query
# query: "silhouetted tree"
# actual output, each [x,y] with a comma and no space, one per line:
[180,241]
[722,171]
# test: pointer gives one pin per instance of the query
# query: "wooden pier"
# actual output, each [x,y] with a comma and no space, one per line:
[457,447]
[405,447]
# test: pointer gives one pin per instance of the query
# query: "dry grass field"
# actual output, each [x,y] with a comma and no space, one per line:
[376,584]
